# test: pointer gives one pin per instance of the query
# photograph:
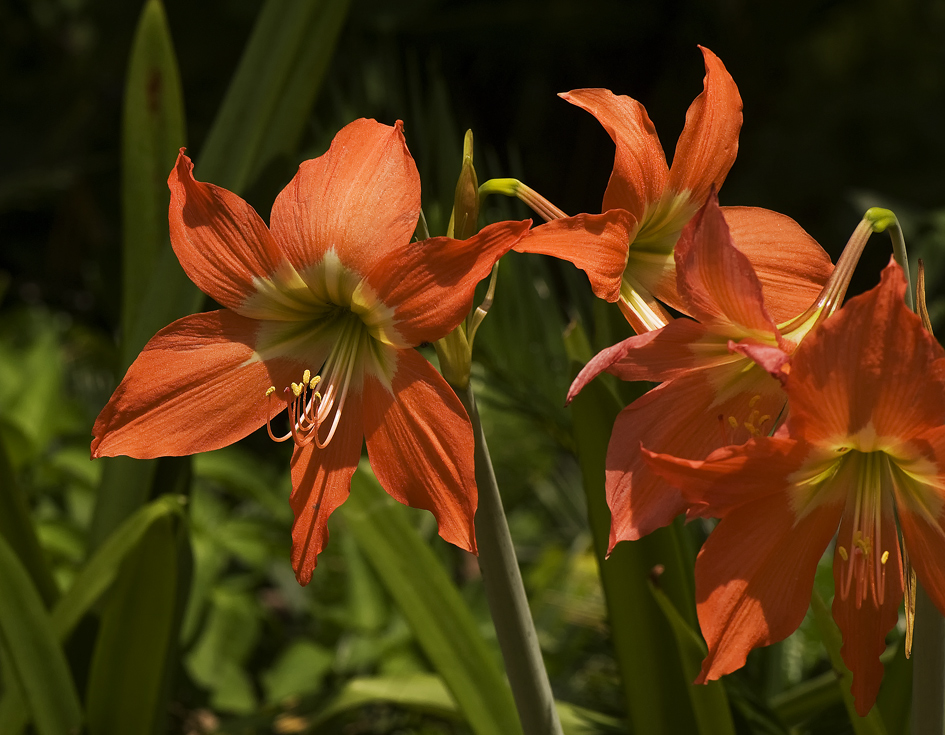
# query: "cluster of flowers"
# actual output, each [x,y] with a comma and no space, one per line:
[775,411]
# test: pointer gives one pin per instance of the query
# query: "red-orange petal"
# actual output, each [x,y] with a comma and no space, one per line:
[864,627]
[640,170]
[595,243]
[707,146]
[731,476]
[754,577]
[430,283]
[220,241]
[687,418]
[420,444]
[715,280]
[195,387]
[790,265]
[870,363]
[321,479]
[680,347]
[361,198]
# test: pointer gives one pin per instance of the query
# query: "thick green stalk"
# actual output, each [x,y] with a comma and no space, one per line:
[928,668]
[506,595]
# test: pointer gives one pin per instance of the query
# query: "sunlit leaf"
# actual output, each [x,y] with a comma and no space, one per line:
[33,653]
[441,621]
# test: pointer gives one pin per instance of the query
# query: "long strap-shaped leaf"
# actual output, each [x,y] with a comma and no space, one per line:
[440,619]
[656,685]
[92,581]
[32,652]
[16,526]
[263,115]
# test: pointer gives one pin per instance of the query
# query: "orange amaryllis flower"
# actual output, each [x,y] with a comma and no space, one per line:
[712,393]
[863,445]
[652,202]
[322,314]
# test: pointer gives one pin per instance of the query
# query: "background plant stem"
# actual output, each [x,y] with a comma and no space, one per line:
[506,595]
[928,657]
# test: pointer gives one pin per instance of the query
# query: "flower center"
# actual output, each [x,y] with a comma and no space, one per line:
[317,401]
[861,546]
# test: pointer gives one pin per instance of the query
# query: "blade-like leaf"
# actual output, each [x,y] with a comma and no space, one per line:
[16,526]
[33,655]
[274,87]
[98,574]
[442,623]
[262,115]
[709,702]
[138,629]
[153,130]
[655,685]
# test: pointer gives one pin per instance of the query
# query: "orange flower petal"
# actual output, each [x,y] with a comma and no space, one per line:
[196,386]
[706,149]
[595,243]
[754,576]
[860,371]
[731,476]
[640,170]
[715,280]
[687,417]
[430,284]
[678,348]
[420,444]
[864,627]
[362,198]
[790,265]
[220,241]
[321,480]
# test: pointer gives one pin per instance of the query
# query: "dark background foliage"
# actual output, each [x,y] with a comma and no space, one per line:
[843,107]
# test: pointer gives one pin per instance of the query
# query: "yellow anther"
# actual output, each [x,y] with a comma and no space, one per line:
[754,401]
[884,558]
[765,419]
[862,543]
[315,381]
[733,422]
[270,390]
[306,375]
[843,553]
[752,416]
[296,389]
[751,429]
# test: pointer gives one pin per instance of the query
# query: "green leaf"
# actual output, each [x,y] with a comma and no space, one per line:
[300,670]
[228,638]
[137,637]
[153,130]
[16,526]
[655,685]
[895,694]
[263,114]
[441,621]
[33,655]
[428,693]
[98,574]
[709,701]
[425,692]
[273,90]
[872,724]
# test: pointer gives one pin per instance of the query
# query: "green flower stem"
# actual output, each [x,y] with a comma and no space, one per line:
[506,595]
[928,667]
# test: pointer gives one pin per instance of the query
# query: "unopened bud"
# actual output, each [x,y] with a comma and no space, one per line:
[465,218]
